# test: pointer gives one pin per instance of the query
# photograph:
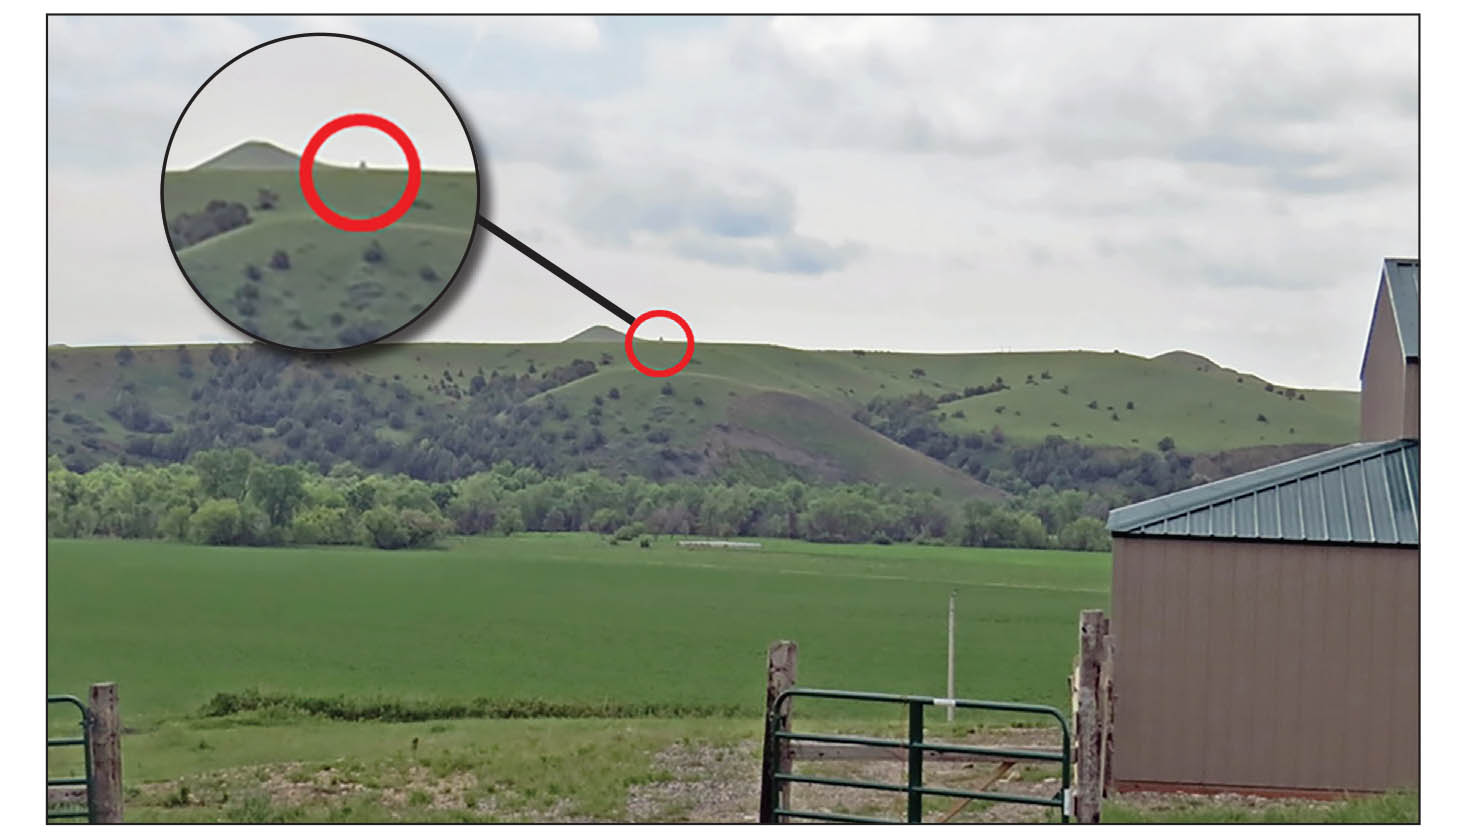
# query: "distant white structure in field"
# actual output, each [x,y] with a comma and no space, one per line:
[720,545]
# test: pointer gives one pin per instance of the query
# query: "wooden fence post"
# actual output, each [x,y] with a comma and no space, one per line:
[1088,726]
[1106,711]
[105,795]
[776,757]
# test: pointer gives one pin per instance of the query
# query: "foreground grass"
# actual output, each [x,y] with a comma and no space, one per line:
[274,770]
[1402,807]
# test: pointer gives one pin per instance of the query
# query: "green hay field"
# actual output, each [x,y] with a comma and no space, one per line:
[566,619]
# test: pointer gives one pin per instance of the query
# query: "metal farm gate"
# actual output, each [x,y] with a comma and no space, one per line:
[779,751]
[85,781]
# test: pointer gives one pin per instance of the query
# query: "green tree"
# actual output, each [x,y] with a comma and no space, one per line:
[1085,534]
[277,489]
[384,528]
[223,473]
[509,522]
[215,522]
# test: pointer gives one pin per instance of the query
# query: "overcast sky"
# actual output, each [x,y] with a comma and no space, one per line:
[1228,186]
[285,92]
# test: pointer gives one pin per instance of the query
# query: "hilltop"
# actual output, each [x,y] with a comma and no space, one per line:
[596,334]
[962,424]
[255,155]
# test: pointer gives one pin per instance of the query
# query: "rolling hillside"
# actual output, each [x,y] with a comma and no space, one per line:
[272,266]
[749,412]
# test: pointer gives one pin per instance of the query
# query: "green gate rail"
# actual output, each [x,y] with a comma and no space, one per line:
[916,747]
[85,742]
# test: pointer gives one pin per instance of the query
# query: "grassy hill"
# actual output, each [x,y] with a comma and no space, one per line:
[253,155]
[750,412]
[288,276]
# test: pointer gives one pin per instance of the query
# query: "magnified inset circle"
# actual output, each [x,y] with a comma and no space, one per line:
[320,192]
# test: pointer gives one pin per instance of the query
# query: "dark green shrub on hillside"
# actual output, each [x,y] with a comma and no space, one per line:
[280,261]
[374,253]
[217,217]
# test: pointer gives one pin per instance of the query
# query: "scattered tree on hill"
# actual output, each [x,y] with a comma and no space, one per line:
[280,260]
[374,253]
[1166,444]
[266,199]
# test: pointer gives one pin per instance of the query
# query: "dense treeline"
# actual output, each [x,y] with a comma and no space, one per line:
[231,496]
[1057,462]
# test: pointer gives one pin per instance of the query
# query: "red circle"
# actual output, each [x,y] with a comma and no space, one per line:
[342,222]
[634,359]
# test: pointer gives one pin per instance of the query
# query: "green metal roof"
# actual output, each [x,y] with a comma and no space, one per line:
[1404,278]
[1364,493]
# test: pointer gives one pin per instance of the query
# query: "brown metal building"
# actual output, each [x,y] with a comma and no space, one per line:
[1267,626]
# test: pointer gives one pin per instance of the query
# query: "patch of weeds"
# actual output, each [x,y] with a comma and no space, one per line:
[256,808]
[179,798]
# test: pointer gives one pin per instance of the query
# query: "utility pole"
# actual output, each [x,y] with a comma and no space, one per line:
[951,660]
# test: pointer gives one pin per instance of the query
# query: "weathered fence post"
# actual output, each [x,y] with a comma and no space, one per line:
[1106,706]
[105,794]
[781,676]
[1088,722]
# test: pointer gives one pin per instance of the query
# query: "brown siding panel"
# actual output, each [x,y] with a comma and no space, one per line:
[1266,664]
[1413,401]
